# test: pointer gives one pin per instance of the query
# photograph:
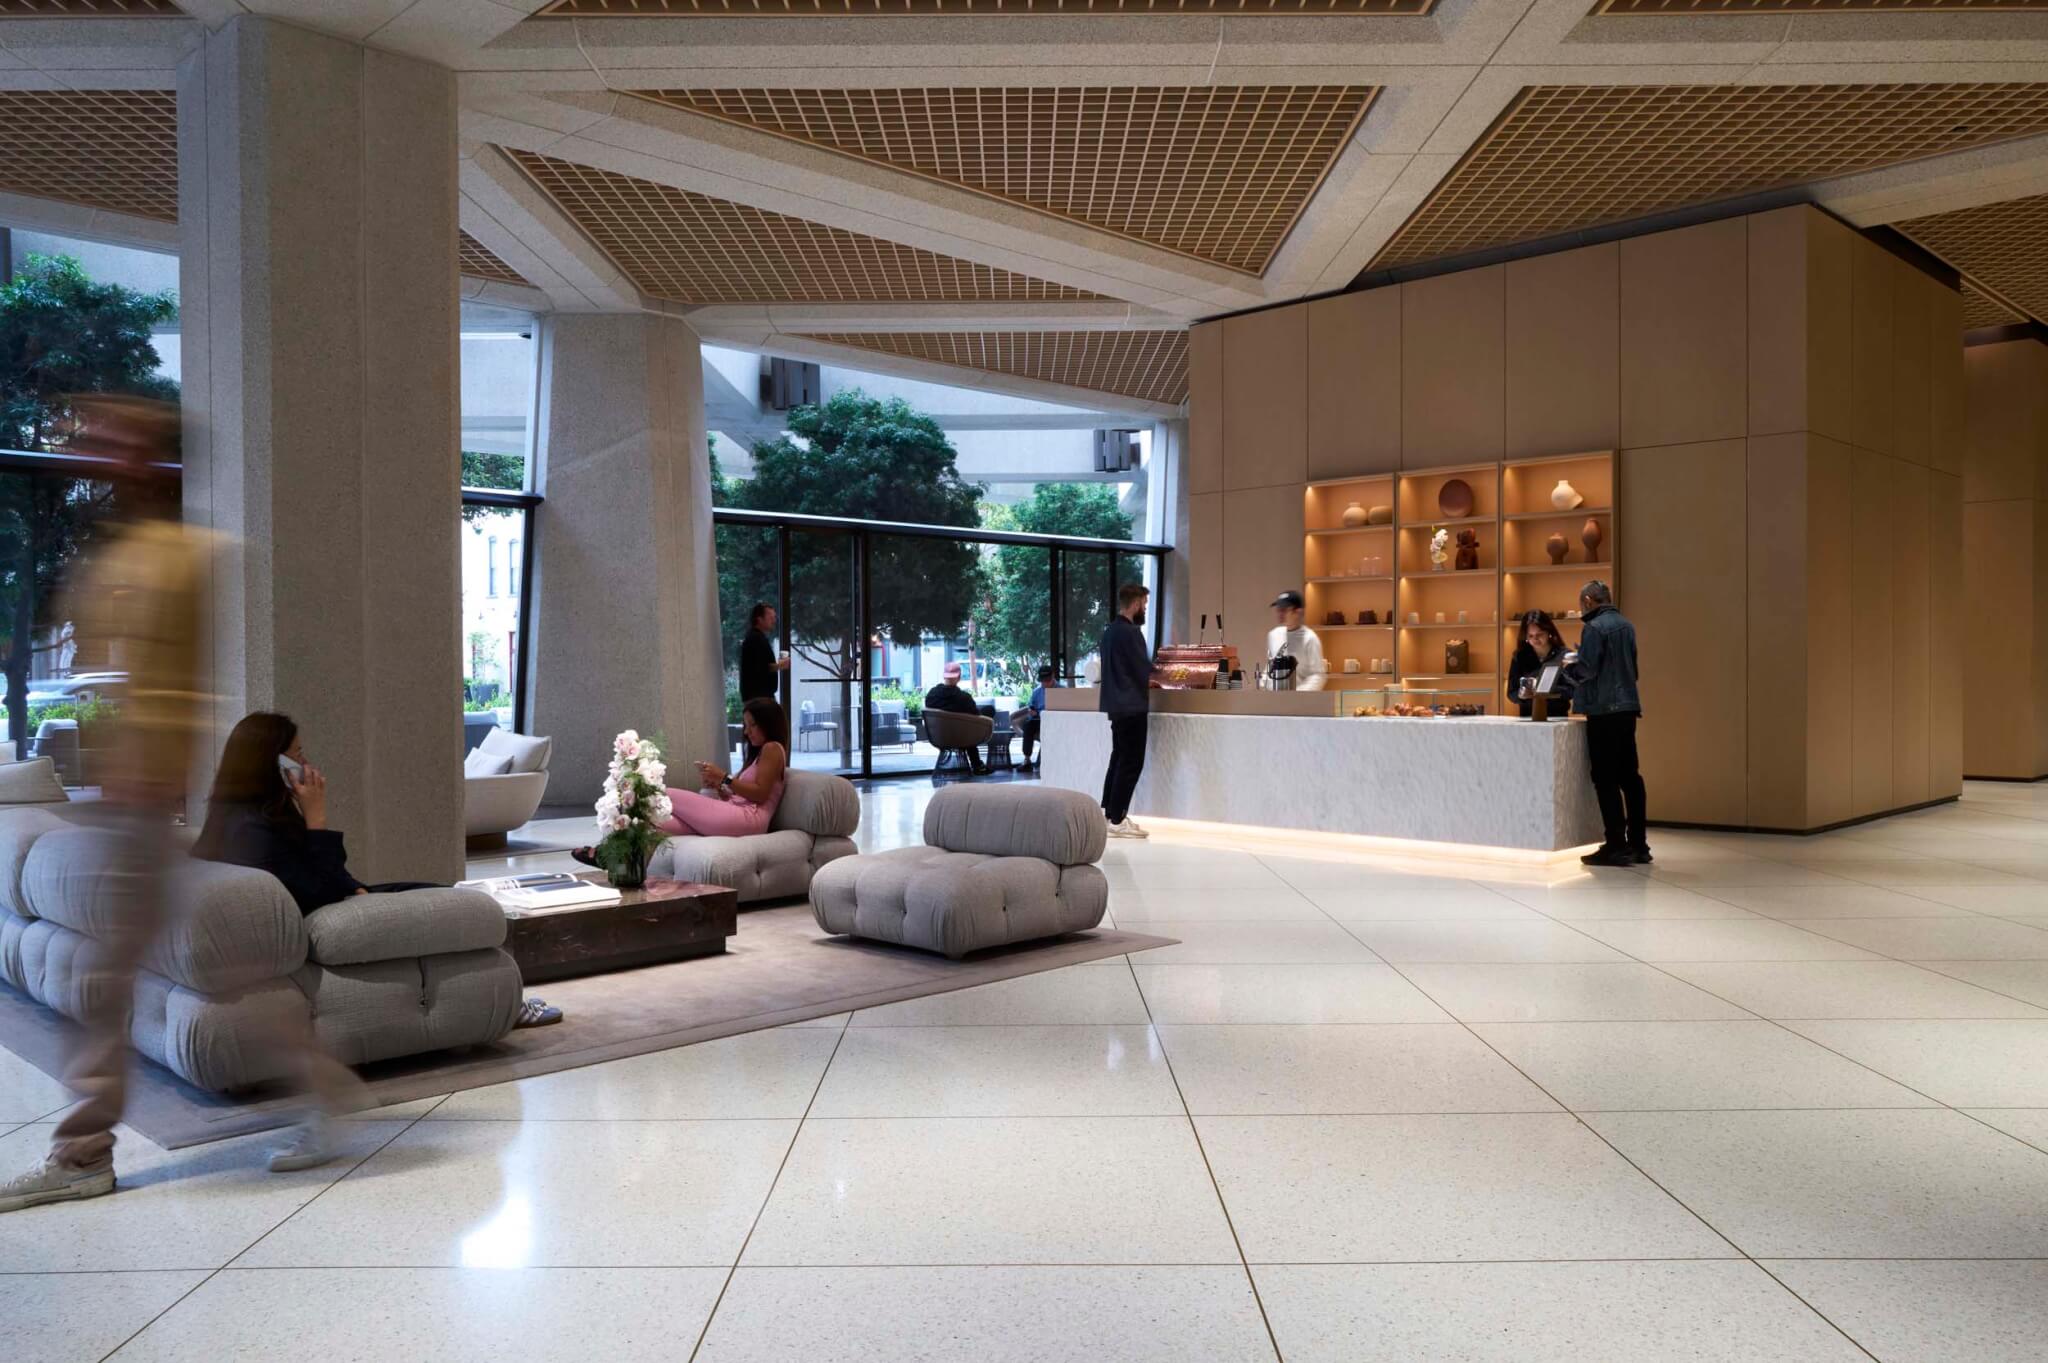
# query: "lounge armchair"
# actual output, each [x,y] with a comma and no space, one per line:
[951,732]
[813,825]
[503,783]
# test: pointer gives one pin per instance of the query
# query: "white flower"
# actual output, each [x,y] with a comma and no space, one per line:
[659,807]
[626,744]
[654,773]
[626,798]
[648,752]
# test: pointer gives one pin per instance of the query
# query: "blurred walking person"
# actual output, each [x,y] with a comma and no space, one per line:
[140,599]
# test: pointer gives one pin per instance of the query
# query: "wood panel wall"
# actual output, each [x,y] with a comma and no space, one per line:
[1788,402]
[2005,561]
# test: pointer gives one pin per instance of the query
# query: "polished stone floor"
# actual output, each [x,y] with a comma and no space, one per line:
[1776,1099]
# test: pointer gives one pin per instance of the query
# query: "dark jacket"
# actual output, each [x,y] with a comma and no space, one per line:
[1525,663]
[757,666]
[311,862]
[1126,670]
[946,696]
[1604,678]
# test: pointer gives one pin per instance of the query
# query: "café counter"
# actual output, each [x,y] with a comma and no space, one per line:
[1304,762]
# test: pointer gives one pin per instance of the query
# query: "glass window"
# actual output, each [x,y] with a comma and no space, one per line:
[500,371]
[512,565]
[490,620]
[491,566]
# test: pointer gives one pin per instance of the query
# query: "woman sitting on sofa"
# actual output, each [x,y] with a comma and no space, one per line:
[268,811]
[731,806]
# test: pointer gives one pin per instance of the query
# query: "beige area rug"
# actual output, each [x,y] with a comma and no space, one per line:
[780,968]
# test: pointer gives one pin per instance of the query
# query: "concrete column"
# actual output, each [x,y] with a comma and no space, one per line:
[317,206]
[1166,521]
[625,584]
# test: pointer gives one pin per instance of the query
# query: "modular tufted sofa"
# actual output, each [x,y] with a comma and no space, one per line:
[383,975]
[1001,864]
[813,825]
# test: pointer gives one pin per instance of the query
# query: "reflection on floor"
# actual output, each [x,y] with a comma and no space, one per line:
[1773,1099]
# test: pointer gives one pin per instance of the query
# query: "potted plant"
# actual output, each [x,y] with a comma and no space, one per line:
[635,801]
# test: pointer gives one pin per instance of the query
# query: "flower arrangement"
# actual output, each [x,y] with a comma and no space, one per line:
[1439,548]
[634,801]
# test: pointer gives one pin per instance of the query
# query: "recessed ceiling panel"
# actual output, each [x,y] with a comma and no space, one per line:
[2003,246]
[1810,6]
[89,9]
[692,248]
[1151,365]
[1219,173]
[479,261]
[108,149]
[1566,157]
[606,9]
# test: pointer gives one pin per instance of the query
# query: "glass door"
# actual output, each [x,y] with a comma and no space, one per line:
[828,656]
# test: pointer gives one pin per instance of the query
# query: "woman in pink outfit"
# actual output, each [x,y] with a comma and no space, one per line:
[734,806]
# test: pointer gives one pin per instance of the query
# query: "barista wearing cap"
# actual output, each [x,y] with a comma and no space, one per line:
[1296,639]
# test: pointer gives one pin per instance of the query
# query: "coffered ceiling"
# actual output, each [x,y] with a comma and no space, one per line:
[1215,172]
[1045,192]
[1151,365]
[1568,157]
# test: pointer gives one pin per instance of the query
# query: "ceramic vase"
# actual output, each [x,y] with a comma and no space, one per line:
[1354,516]
[1591,536]
[1565,497]
[1557,546]
[1457,657]
[1380,515]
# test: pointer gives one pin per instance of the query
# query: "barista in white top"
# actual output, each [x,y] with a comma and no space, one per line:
[1291,636]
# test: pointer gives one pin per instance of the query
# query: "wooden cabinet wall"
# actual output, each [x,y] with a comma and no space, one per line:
[2004,601]
[1788,401]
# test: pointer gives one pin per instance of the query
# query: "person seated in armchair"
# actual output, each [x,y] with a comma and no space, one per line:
[268,811]
[948,695]
[731,806]
[1034,710]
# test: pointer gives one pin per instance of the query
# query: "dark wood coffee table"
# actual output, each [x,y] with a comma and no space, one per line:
[668,920]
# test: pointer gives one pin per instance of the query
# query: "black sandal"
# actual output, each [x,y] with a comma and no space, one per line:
[587,856]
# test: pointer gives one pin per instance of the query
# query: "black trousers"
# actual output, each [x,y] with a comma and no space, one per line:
[1027,729]
[1126,765]
[1617,781]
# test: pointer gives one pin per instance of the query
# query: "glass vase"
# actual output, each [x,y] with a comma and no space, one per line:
[630,871]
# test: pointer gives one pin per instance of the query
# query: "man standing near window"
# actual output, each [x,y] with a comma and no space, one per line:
[1127,699]
[1604,678]
[758,663]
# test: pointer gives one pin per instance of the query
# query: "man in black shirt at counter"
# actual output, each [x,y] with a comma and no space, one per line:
[1605,692]
[1127,699]
[948,695]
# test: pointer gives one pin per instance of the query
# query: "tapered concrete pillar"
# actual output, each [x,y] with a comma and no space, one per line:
[625,584]
[317,206]
[1167,522]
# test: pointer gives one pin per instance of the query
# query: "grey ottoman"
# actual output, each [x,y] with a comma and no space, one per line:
[1001,864]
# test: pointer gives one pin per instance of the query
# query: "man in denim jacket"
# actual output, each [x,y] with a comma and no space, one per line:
[1605,693]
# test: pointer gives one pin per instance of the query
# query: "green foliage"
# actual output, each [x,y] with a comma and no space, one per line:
[1011,625]
[60,333]
[505,472]
[867,459]
[913,701]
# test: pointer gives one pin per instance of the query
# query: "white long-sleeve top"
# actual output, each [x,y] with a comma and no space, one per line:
[1306,649]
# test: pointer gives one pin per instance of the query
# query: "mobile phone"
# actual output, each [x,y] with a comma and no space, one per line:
[292,770]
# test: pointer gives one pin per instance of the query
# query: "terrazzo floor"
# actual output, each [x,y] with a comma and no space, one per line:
[1773,1099]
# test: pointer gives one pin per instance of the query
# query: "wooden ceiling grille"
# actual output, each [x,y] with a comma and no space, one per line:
[115,150]
[2003,246]
[1814,6]
[479,261]
[675,9]
[691,248]
[1218,173]
[89,9]
[1568,157]
[1150,365]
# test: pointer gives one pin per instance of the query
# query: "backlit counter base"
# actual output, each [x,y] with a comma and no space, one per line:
[1482,783]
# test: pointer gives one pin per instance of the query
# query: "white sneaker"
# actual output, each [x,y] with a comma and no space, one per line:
[308,1145]
[1127,829]
[54,1182]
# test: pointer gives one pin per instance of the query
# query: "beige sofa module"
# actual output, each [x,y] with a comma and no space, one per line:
[381,975]
[1000,864]
[813,825]
[504,781]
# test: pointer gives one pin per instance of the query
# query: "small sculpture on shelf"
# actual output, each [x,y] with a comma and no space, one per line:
[1368,616]
[1591,536]
[1457,657]
[1468,549]
[1334,618]
[1379,515]
[1354,516]
[1557,546]
[1565,497]
[1454,500]
[1439,549]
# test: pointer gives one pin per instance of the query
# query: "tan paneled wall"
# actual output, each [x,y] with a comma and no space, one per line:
[1787,399]
[2005,560]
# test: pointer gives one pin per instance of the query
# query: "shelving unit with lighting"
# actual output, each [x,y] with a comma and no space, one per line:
[1426,593]
[1351,570]
[1530,516]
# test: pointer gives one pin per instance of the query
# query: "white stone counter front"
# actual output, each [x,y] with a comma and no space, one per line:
[1486,781]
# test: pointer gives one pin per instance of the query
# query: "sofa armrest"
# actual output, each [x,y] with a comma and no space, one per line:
[499,804]
[402,925]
